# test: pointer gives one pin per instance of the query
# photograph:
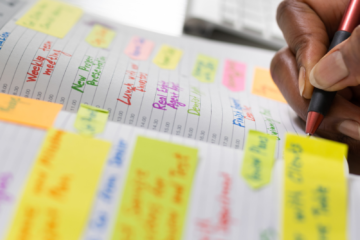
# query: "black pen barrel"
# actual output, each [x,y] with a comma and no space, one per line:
[321,100]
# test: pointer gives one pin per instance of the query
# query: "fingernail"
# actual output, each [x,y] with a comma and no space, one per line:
[350,128]
[330,70]
[302,75]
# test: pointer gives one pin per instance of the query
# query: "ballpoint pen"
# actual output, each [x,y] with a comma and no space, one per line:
[321,100]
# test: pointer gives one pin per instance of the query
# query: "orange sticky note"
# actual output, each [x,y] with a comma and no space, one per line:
[264,86]
[26,111]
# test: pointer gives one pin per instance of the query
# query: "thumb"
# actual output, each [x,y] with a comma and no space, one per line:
[340,67]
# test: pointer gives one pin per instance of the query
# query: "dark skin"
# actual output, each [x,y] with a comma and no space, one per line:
[307,26]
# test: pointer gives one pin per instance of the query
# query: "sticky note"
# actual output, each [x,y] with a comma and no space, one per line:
[205,68]
[91,120]
[26,111]
[51,17]
[59,192]
[157,190]
[234,76]
[168,57]
[100,36]
[264,86]
[139,48]
[259,156]
[315,189]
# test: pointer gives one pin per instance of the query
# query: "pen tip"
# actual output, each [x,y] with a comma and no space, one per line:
[308,134]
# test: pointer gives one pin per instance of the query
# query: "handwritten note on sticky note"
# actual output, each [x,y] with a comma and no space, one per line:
[139,48]
[315,191]
[51,17]
[59,192]
[168,57]
[264,86]
[234,76]
[157,190]
[100,36]
[205,68]
[91,120]
[259,156]
[26,111]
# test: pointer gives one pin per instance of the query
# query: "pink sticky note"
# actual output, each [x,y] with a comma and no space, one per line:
[234,76]
[139,48]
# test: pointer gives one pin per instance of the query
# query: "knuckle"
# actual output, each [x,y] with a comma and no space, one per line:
[277,64]
[354,48]
[351,55]
[285,7]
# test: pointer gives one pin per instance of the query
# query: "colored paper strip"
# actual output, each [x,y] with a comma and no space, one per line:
[51,17]
[264,86]
[259,157]
[315,191]
[156,195]
[26,111]
[139,48]
[100,36]
[205,68]
[91,120]
[234,76]
[59,192]
[168,57]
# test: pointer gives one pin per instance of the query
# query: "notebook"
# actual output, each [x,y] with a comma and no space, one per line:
[183,101]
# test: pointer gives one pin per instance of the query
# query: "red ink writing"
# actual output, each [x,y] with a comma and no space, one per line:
[130,84]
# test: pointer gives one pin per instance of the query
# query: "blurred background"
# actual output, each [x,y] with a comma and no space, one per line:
[246,22]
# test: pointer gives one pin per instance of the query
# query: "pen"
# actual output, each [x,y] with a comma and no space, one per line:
[321,100]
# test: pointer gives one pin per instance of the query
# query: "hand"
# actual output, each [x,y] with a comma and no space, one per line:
[307,26]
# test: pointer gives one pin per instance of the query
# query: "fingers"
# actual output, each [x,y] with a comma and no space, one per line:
[284,72]
[339,69]
[306,25]
[343,121]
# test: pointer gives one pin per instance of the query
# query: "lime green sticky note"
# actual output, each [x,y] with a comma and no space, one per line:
[168,57]
[205,68]
[51,17]
[100,36]
[91,120]
[157,191]
[258,159]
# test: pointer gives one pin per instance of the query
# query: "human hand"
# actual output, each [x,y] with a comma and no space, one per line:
[307,25]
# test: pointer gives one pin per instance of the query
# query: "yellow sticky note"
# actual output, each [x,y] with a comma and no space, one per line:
[156,195]
[315,189]
[59,192]
[264,86]
[205,68]
[100,36]
[26,111]
[91,120]
[258,159]
[168,57]
[51,17]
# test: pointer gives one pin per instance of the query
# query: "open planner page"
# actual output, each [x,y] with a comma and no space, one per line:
[221,206]
[112,132]
[184,86]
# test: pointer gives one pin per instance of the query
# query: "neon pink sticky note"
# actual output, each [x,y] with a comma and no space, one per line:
[139,48]
[234,76]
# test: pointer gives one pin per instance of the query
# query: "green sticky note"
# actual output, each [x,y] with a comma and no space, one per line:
[205,68]
[258,159]
[157,191]
[91,120]
[168,57]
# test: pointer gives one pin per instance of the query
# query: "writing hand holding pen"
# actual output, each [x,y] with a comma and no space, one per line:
[308,27]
